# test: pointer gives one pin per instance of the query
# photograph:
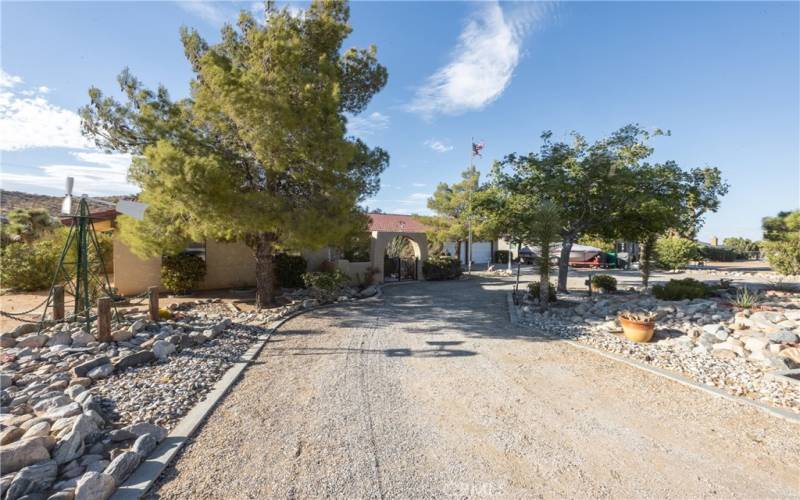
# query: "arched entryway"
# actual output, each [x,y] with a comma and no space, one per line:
[400,259]
[399,256]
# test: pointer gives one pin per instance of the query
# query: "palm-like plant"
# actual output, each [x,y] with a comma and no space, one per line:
[543,230]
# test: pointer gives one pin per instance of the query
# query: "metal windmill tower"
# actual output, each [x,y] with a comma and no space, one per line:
[80,266]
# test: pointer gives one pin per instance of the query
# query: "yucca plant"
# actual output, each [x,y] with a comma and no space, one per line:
[746,297]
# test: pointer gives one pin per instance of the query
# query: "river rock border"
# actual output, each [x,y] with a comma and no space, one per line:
[771,410]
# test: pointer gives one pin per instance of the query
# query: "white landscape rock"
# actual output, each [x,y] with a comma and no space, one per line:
[95,486]
[162,349]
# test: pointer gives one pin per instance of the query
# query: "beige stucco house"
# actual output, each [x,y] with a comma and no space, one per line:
[232,265]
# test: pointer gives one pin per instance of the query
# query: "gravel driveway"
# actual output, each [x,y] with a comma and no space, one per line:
[431,392]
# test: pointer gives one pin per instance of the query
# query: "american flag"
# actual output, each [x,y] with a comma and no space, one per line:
[477,147]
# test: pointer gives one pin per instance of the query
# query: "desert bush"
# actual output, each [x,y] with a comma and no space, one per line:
[533,291]
[289,270]
[783,256]
[687,288]
[718,254]
[501,256]
[325,282]
[182,273]
[605,282]
[29,266]
[441,268]
[746,298]
[675,253]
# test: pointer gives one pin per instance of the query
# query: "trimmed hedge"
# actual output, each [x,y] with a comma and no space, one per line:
[289,270]
[687,288]
[182,273]
[441,268]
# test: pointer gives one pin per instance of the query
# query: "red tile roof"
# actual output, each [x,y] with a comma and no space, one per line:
[396,223]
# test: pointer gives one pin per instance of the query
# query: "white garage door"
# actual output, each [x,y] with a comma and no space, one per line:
[481,251]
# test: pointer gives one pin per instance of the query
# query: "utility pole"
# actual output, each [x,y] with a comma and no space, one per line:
[469,213]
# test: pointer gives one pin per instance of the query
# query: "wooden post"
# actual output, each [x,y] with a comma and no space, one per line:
[104,319]
[58,302]
[152,292]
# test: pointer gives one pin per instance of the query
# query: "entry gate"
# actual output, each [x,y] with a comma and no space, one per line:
[400,269]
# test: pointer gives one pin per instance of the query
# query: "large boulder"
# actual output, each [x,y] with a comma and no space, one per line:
[32,341]
[162,349]
[69,448]
[142,428]
[135,359]
[33,479]
[144,445]
[782,336]
[94,486]
[81,338]
[60,338]
[83,369]
[21,454]
[123,466]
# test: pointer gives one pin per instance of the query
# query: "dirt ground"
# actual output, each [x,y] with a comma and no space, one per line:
[431,392]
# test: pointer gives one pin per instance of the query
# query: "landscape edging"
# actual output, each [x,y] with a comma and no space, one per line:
[146,474]
[775,412]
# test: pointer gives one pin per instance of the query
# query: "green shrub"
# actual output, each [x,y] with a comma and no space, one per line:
[441,268]
[534,287]
[675,253]
[289,270]
[31,266]
[324,283]
[326,266]
[605,282]
[784,256]
[501,256]
[182,273]
[718,254]
[687,288]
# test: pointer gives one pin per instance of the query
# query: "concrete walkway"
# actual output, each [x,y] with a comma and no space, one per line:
[431,392]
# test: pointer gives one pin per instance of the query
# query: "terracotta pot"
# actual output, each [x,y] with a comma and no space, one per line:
[638,331]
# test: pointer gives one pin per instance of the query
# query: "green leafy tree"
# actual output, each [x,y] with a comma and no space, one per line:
[454,206]
[674,252]
[258,153]
[743,247]
[587,182]
[782,242]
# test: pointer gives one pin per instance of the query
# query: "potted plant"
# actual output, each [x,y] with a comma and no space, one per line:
[638,327]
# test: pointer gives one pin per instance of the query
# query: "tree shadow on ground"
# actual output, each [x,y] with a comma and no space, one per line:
[476,308]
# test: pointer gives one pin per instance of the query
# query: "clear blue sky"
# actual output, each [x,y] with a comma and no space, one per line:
[723,77]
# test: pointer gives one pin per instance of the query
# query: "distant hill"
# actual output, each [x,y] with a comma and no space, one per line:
[10,200]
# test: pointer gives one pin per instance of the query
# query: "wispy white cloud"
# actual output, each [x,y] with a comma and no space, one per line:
[483,62]
[439,146]
[106,174]
[415,203]
[29,120]
[419,184]
[216,13]
[7,80]
[361,126]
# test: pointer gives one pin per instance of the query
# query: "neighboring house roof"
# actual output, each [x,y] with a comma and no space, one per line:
[96,215]
[395,223]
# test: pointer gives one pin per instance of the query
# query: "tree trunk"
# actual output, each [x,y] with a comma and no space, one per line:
[458,250]
[563,265]
[262,245]
[544,277]
[646,259]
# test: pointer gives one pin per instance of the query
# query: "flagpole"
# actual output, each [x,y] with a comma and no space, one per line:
[469,215]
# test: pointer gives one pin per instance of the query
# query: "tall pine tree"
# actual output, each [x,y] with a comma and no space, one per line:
[259,152]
